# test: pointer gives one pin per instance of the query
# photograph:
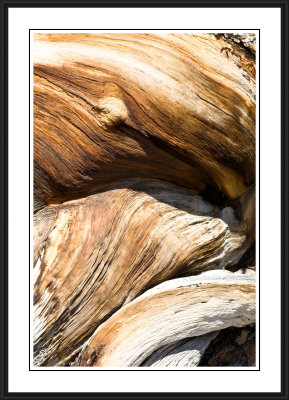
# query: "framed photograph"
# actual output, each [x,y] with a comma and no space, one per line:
[145,199]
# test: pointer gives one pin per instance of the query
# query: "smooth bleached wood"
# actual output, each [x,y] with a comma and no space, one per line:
[185,353]
[191,306]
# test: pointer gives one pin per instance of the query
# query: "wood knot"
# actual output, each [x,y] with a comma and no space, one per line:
[111,111]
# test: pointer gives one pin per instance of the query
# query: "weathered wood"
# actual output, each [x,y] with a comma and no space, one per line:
[170,312]
[104,250]
[144,171]
[178,107]
[185,353]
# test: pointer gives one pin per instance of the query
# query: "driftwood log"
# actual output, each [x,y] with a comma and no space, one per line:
[144,178]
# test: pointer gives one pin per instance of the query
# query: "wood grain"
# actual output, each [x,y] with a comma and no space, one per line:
[144,171]
[188,307]
[105,108]
[185,353]
[104,250]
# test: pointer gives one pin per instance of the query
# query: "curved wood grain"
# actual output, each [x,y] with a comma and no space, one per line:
[104,250]
[185,353]
[144,171]
[176,107]
[170,312]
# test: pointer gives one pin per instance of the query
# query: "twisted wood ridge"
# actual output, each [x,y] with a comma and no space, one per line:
[144,178]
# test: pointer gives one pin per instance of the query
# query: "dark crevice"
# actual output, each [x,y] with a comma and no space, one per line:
[232,347]
[248,260]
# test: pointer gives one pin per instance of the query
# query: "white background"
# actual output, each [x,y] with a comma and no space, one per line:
[268,378]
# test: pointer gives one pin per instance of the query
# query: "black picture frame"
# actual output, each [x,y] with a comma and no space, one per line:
[4,137]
